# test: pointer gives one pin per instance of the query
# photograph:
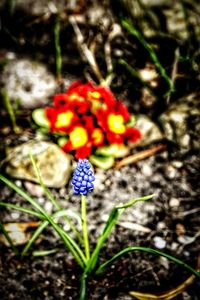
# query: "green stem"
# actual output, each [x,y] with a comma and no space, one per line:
[94,257]
[45,252]
[114,215]
[84,227]
[83,286]
[5,233]
[132,30]
[10,111]
[57,47]
[22,209]
[42,226]
[135,74]
[53,200]
[11,6]
[69,242]
[149,250]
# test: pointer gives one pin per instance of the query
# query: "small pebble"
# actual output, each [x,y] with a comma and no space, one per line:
[118,174]
[161,225]
[185,239]
[164,262]
[159,242]
[180,229]
[146,170]
[34,189]
[18,183]
[15,215]
[66,227]
[40,200]
[173,202]
[186,296]
[174,246]
[108,182]
[170,172]
[48,207]
[177,164]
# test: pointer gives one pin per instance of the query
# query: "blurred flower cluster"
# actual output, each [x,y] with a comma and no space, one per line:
[90,117]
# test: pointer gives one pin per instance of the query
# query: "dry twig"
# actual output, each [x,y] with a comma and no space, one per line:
[85,50]
[141,155]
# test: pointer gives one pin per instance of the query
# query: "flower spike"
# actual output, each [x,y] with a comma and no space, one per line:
[83,178]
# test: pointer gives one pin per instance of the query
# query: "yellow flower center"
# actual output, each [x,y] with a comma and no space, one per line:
[94,95]
[75,96]
[64,119]
[116,123]
[78,137]
[97,135]
[95,99]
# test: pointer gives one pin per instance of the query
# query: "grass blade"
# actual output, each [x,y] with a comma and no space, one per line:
[58,56]
[114,215]
[22,209]
[151,251]
[69,242]
[133,31]
[5,233]
[84,227]
[10,111]
[39,230]
[52,199]
[44,252]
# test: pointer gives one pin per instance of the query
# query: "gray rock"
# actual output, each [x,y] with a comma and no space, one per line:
[53,163]
[28,82]
[39,7]
[149,16]
[181,123]
[150,131]
[159,242]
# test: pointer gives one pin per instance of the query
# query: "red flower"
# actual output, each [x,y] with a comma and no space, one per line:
[96,96]
[100,98]
[73,101]
[84,152]
[97,137]
[132,134]
[90,116]
[60,100]
[60,119]
[79,141]
[113,122]
[80,88]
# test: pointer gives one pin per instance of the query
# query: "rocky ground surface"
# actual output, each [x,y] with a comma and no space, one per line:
[169,222]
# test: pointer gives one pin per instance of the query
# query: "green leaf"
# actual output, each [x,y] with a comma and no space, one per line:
[62,141]
[6,235]
[39,117]
[44,224]
[45,252]
[42,131]
[112,220]
[69,242]
[151,251]
[103,162]
[107,150]
[131,122]
[116,150]
[122,150]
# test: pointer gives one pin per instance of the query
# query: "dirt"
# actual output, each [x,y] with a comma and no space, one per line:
[57,276]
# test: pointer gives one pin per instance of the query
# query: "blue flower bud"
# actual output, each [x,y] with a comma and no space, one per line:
[83,178]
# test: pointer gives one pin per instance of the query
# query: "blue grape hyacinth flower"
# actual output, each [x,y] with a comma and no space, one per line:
[83,178]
